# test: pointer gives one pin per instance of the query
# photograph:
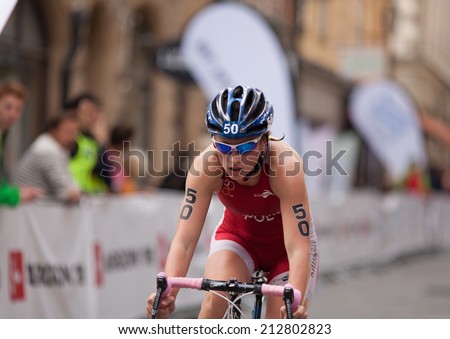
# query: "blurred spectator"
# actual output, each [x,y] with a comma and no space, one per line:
[12,97]
[46,163]
[124,167]
[416,181]
[176,179]
[445,181]
[438,130]
[86,165]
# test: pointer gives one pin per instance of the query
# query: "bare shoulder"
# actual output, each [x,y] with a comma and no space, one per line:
[284,159]
[286,168]
[206,171]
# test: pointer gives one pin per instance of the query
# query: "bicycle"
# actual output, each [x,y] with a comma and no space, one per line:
[236,290]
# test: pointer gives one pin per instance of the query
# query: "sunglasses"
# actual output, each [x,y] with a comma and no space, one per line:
[242,148]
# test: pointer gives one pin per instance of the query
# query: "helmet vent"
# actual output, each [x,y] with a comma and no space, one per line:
[234,110]
[214,107]
[260,107]
[249,101]
[238,92]
[224,101]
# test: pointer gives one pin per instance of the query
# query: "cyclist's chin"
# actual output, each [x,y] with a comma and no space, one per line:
[235,172]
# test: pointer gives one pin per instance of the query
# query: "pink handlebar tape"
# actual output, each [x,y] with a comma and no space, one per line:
[180,282]
[278,291]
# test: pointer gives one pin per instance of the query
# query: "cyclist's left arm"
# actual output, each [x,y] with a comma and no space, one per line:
[289,185]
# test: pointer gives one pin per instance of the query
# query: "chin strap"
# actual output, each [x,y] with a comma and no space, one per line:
[257,167]
[260,162]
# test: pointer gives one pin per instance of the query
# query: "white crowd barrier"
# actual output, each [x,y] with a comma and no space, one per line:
[100,259]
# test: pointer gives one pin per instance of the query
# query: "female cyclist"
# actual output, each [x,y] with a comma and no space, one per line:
[266,224]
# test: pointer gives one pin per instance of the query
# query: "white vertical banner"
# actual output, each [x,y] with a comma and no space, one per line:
[387,119]
[6,7]
[231,44]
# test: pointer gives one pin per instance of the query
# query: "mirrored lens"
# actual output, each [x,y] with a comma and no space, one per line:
[225,149]
[247,147]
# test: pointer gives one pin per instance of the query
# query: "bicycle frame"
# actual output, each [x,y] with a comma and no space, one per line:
[290,295]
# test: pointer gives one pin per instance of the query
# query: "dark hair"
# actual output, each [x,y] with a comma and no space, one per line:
[55,122]
[75,102]
[121,133]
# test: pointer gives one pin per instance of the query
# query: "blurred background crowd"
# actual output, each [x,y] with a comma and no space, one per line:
[100,73]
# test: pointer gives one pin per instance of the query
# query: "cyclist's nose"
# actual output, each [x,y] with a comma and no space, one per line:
[234,157]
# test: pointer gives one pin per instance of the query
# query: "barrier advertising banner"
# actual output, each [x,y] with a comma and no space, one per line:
[100,259]
[132,240]
[46,271]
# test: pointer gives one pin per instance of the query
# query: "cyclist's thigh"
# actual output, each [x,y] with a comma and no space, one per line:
[224,264]
[235,244]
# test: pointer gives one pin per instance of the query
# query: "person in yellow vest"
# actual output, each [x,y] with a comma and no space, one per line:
[86,165]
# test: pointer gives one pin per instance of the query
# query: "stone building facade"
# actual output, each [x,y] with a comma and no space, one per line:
[118,50]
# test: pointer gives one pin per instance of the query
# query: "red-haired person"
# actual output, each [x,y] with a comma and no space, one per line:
[12,99]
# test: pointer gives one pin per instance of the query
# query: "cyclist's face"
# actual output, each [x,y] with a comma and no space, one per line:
[237,165]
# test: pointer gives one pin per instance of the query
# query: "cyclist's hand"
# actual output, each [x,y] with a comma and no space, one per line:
[301,313]
[166,307]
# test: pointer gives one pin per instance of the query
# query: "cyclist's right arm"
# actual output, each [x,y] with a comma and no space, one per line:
[201,182]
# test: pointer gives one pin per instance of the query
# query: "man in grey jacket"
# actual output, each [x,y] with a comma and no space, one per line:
[46,163]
